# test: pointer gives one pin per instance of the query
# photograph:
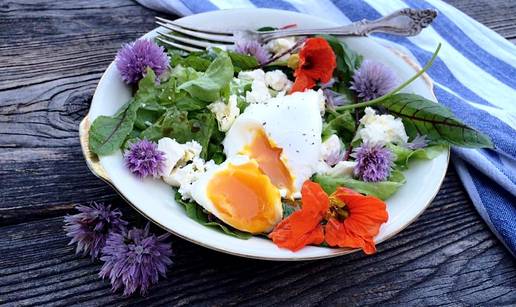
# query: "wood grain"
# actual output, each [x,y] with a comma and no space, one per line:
[52,54]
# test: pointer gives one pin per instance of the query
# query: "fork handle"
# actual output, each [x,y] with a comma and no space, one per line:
[404,22]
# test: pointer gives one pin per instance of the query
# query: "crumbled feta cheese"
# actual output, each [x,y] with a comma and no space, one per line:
[259,92]
[277,80]
[177,153]
[257,74]
[281,45]
[226,113]
[192,150]
[322,168]
[343,168]
[173,153]
[185,176]
[381,129]
[331,150]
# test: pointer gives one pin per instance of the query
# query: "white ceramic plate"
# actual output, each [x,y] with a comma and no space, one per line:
[154,199]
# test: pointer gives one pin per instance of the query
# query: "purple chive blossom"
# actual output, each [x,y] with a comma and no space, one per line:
[253,48]
[373,80]
[91,227]
[134,58]
[135,259]
[374,162]
[334,99]
[144,159]
[418,142]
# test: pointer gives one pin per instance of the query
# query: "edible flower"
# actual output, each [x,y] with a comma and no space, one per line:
[91,226]
[144,159]
[372,80]
[316,63]
[135,259]
[352,220]
[374,162]
[133,59]
[252,48]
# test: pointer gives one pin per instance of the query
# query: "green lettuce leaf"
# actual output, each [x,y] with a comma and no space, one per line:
[108,133]
[208,85]
[347,59]
[342,125]
[382,189]
[243,61]
[405,155]
[198,214]
[425,117]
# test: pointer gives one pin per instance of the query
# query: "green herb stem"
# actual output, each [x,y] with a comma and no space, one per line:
[394,91]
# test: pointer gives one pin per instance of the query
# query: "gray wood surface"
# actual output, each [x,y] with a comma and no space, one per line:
[52,54]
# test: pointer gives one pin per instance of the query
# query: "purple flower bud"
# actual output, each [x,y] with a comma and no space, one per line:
[133,59]
[91,227]
[373,80]
[144,159]
[135,259]
[374,162]
[253,48]
[419,141]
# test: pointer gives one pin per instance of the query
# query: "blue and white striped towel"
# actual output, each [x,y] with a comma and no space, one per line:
[475,76]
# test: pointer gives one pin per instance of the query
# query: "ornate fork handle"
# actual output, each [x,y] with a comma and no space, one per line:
[405,22]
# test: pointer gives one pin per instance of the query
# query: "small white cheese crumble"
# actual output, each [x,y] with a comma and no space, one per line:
[173,153]
[257,74]
[343,168]
[331,149]
[177,154]
[225,113]
[277,80]
[259,92]
[381,129]
[281,45]
[185,176]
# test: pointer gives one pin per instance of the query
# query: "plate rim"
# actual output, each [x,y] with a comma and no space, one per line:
[96,168]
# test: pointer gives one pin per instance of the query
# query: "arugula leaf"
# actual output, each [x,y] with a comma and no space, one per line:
[208,85]
[382,189]
[347,59]
[404,155]
[183,127]
[426,117]
[342,125]
[198,214]
[243,61]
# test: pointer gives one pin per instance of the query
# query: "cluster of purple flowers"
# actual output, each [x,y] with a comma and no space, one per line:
[133,259]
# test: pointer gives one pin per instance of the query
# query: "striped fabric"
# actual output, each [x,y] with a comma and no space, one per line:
[475,76]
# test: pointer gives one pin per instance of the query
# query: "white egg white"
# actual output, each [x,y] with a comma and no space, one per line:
[291,122]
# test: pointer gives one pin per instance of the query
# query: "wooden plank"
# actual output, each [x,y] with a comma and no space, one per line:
[446,257]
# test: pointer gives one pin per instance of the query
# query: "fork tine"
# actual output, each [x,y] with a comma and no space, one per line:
[167,21]
[211,37]
[193,42]
[179,46]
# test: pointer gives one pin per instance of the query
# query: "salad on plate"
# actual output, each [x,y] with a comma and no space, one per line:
[300,141]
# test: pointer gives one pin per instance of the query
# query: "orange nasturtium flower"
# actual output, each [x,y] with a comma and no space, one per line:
[353,220]
[316,63]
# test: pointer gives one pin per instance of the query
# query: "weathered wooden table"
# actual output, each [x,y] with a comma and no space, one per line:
[52,54]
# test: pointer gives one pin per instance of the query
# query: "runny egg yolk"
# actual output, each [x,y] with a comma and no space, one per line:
[245,198]
[269,159]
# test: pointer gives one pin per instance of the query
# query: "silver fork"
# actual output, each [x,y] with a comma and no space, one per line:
[405,22]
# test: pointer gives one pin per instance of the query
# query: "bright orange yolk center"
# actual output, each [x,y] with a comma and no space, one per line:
[246,198]
[268,157]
